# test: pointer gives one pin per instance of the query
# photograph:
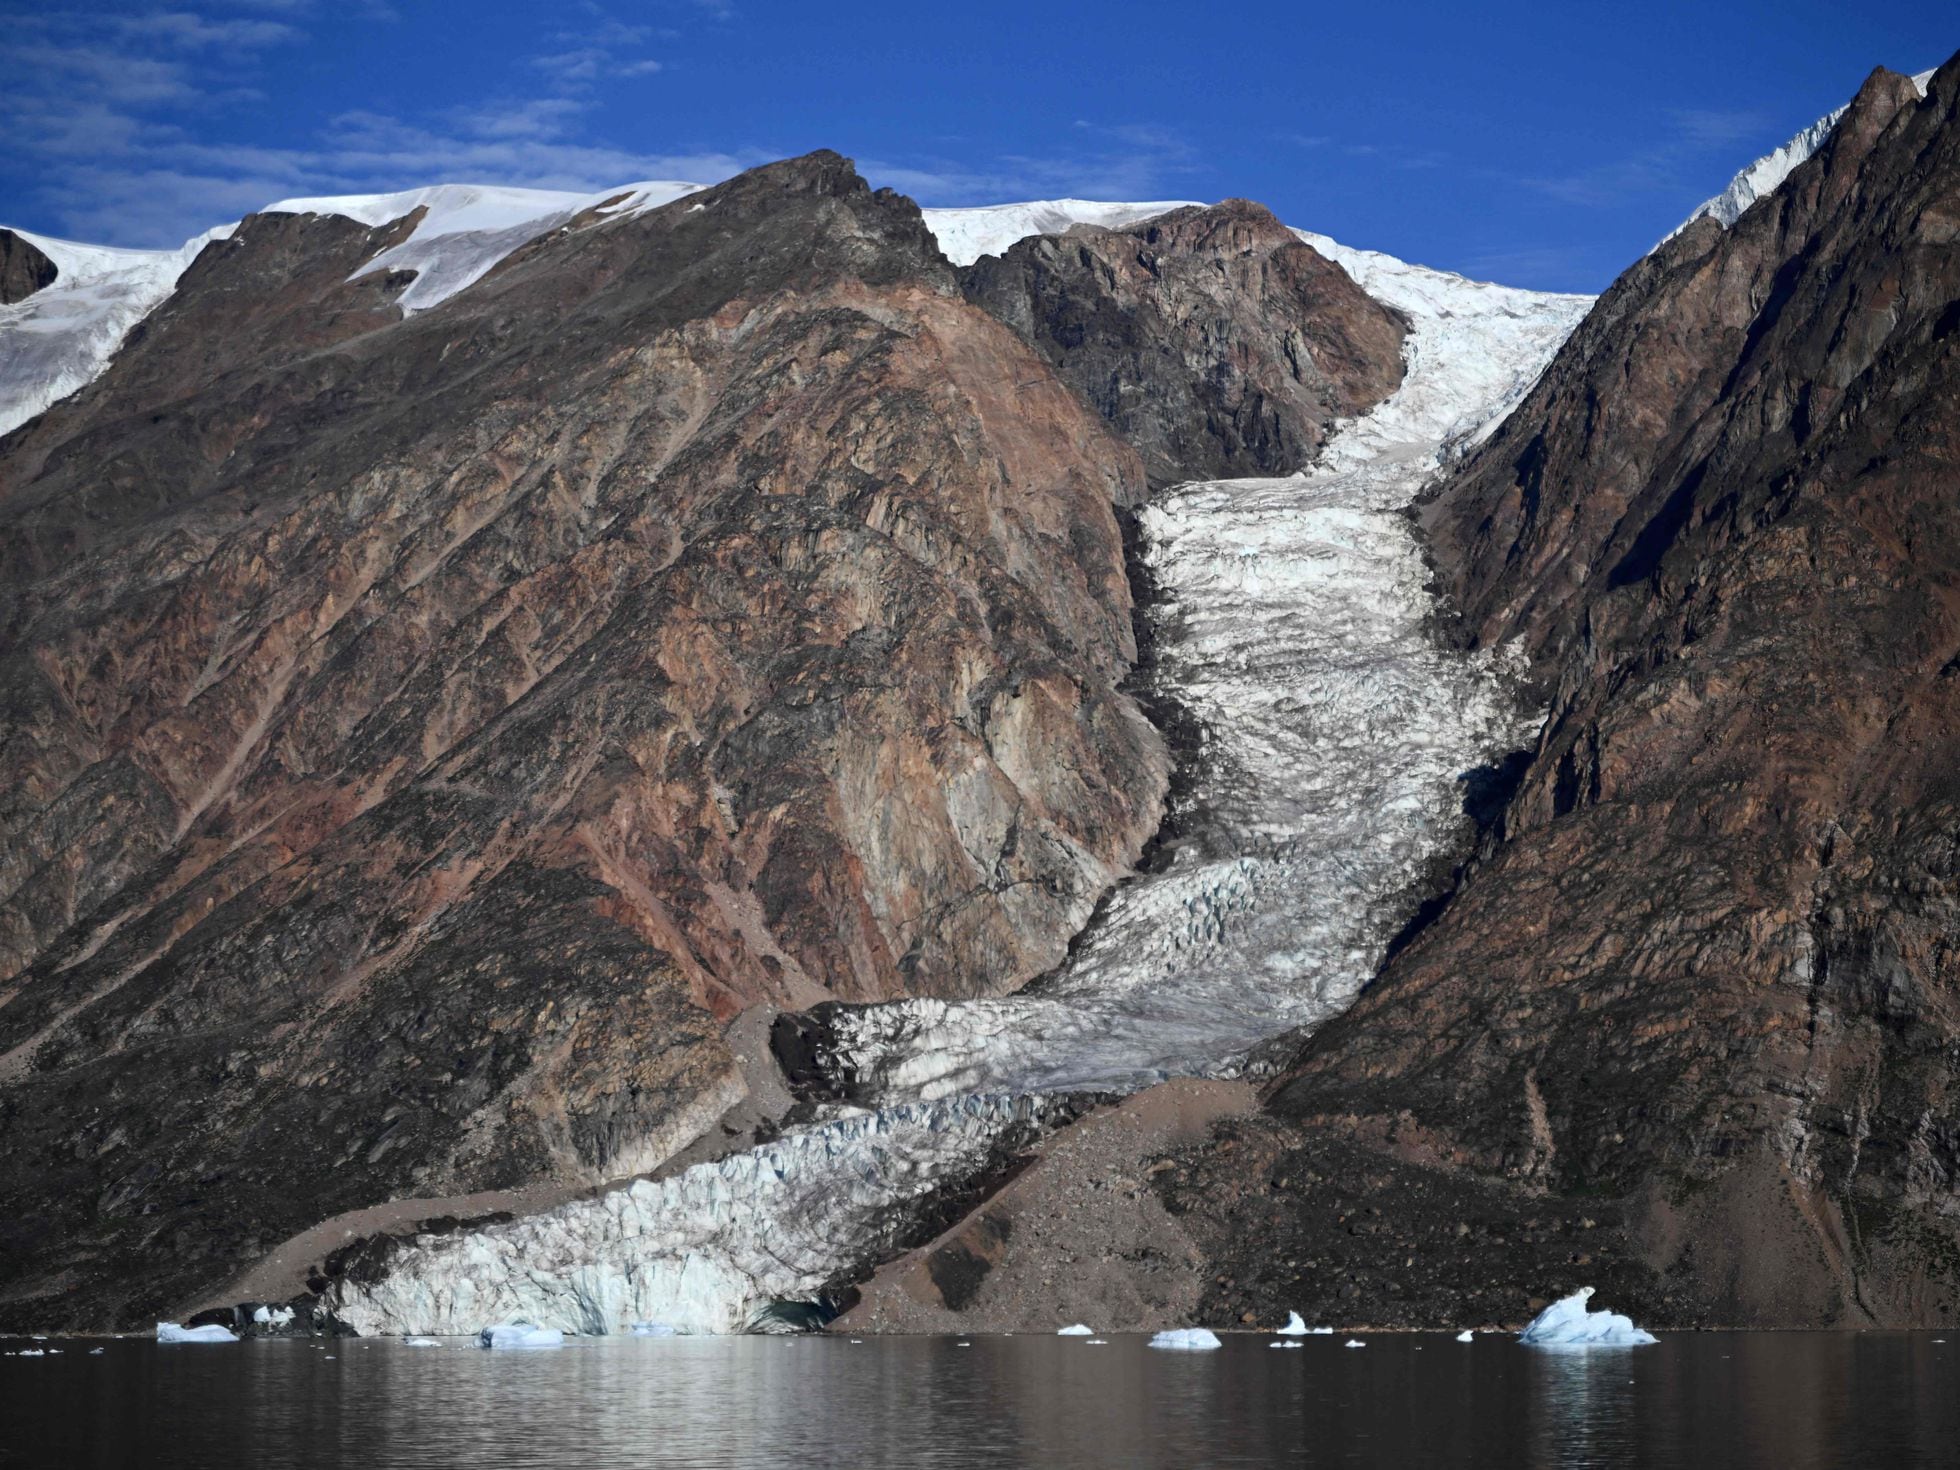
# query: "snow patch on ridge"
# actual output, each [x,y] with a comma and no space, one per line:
[61,338]
[469,228]
[965,235]
[1767,173]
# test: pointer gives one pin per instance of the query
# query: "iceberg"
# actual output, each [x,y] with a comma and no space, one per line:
[1078,1330]
[1279,1344]
[272,1316]
[1567,1323]
[209,1332]
[520,1335]
[420,1342]
[1354,1342]
[1187,1340]
[1296,1326]
[1465,1336]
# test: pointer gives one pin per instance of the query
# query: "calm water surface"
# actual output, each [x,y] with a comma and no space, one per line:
[1769,1399]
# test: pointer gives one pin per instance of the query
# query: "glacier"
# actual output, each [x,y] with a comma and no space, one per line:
[1293,626]
[1337,734]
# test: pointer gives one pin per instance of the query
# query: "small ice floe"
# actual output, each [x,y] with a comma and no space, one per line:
[272,1316]
[95,1352]
[1296,1326]
[1354,1342]
[29,1353]
[1097,1342]
[962,1344]
[520,1335]
[1466,1336]
[421,1342]
[1567,1323]
[654,1329]
[1279,1344]
[209,1332]
[1076,1330]
[1187,1339]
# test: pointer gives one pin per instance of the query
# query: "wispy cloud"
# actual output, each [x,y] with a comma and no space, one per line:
[1688,137]
[116,118]
[1108,161]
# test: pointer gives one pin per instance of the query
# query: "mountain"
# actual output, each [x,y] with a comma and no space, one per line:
[425,731]
[1687,1026]
[1167,329]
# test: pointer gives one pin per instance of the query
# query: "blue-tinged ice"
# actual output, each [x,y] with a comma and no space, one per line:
[1567,1323]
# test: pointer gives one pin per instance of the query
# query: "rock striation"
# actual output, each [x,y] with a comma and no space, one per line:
[1690,1025]
[421,735]
[1212,339]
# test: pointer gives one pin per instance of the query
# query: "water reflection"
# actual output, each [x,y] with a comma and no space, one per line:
[1770,1400]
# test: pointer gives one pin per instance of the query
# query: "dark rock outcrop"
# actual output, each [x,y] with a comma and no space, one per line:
[24,268]
[419,737]
[1213,340]
[1705,989]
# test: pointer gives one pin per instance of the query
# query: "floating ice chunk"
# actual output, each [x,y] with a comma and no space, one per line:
[1078,1330]
[1296,1326]
[1097,1342]
[209,1332]
[421,1342]
[29,1353]
[1281,1344]
[272,1316]
[657,1329]
[95,1352]
[1354,1342]
[520,1335]
[1567,1323]
[1466,1335]
[1187,1339]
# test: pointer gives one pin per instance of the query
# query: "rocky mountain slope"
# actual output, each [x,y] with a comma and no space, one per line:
[422,733]
[1690,1027]
[1214,340]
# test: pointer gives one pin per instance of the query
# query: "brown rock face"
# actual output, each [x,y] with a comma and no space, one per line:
[24,268]
[1704,986]
[421,736]
[1213,340]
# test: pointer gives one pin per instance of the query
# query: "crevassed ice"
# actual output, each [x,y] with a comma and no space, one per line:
[1336,736]
[699,1251]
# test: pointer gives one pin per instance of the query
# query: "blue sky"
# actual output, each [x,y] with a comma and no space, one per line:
[1541,144]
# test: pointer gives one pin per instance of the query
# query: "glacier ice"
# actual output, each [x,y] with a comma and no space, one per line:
[654,1329]
[704,1250]
[1078,1330]
[1354,1342]
[1284,1343]
[210,1332]
[509,1336]
[1186,1339]
[1466,1336]
[421,1342]
[1296,1326]
[269,1316]
[1567,1323]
